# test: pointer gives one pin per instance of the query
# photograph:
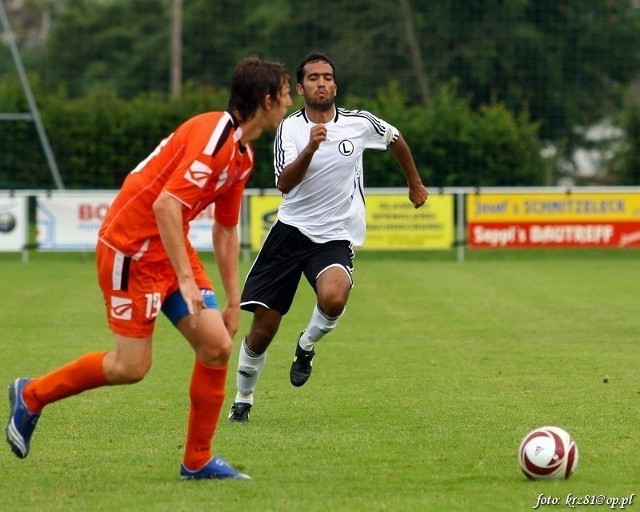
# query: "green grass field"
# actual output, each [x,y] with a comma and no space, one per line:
[418,400]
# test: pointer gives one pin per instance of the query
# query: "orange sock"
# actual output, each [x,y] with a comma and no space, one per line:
[80,375]
[206,393]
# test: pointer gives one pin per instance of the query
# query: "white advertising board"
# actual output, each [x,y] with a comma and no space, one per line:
[13,222]
[71,221]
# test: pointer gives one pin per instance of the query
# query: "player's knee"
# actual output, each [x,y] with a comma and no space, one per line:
[332,305]
[332,300]
[216,354]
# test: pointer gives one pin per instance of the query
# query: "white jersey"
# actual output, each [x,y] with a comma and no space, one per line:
[329,202]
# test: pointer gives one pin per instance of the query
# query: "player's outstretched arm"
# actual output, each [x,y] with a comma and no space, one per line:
[402,153]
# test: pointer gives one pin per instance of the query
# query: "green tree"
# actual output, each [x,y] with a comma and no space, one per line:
[121,44]
[627,164]
[566,61]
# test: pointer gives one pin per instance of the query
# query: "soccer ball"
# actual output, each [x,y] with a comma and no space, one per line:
[548,453]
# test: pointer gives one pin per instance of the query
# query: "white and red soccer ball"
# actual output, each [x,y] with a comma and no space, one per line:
[548,453]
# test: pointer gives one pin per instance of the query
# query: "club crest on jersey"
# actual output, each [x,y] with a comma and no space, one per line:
[346,147]
[121,308]
[198,174]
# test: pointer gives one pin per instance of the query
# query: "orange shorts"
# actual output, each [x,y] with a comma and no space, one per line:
[135,290]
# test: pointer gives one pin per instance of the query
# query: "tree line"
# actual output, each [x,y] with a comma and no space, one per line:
[478,87]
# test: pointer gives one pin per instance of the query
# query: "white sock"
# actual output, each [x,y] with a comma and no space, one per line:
[319,325]
[249,369]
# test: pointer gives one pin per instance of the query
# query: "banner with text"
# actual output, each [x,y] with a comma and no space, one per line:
[13,223]
[597,219]
[71,221]
[392,221]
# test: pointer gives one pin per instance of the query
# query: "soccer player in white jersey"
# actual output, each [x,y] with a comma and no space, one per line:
[318,168]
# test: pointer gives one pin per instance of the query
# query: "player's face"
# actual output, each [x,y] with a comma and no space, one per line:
[318,87]
[280,106]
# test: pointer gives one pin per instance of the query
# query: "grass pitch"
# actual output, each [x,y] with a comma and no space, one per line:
[418,400]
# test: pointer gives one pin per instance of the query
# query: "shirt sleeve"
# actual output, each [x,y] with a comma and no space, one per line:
[285,150]
[227,209]
[379,133]
[193,169]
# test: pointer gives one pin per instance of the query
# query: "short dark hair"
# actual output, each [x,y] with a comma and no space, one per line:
[313,57]
[253,79]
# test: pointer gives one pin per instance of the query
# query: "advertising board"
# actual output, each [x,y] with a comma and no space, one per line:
[585,219]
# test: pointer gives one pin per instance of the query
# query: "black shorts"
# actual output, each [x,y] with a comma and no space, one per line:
[285,255]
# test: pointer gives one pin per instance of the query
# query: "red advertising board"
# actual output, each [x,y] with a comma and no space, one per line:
[553,220]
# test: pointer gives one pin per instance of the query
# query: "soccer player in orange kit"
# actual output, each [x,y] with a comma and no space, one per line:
[146,265]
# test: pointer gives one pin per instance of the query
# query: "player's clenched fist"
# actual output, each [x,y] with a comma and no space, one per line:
[317,135]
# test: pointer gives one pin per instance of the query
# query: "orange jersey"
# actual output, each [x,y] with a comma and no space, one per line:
[202,162]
